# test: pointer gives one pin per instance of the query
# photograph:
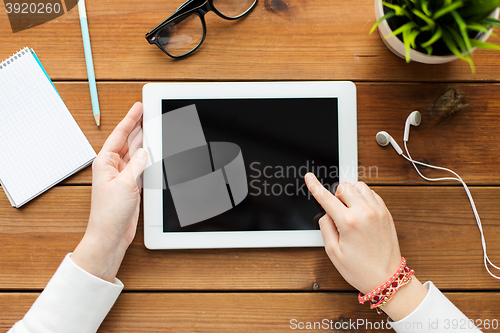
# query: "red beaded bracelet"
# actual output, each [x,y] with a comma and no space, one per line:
[384,293]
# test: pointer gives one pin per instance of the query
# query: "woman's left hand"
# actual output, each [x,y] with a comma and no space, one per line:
[116,188]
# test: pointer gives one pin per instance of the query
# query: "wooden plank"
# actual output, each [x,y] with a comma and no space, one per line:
[459,128]
[437,232]
[247,312]
[292,40]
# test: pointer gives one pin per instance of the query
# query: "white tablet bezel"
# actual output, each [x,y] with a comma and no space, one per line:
[154,93]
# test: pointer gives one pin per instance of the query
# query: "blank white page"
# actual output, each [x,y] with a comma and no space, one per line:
[40,142]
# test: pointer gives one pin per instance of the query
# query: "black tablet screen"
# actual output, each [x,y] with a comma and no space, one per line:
[245,170]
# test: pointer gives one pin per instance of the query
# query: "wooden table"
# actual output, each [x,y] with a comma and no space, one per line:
[251,290]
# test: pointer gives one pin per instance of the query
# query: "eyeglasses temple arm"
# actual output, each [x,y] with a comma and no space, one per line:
[178,12]
[183,5]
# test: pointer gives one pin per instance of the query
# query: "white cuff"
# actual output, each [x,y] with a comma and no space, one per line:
[435,313]
[73,301]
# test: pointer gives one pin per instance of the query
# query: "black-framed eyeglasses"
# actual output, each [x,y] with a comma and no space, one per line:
[185,31]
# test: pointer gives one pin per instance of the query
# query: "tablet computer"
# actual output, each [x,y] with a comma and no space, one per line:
[227,161]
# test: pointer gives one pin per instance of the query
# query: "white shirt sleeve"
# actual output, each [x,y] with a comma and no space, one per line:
[73,301]
[436,313]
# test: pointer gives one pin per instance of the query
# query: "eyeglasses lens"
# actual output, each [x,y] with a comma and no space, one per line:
[233,8]
[181,36]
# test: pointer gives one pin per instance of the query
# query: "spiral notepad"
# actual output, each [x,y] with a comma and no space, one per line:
[40,142]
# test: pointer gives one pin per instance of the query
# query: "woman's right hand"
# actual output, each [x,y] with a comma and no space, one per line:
[358,232]
[361,240]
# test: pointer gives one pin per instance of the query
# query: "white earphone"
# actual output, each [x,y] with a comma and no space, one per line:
[383,138]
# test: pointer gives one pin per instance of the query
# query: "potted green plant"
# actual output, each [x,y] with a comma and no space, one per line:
[436,31]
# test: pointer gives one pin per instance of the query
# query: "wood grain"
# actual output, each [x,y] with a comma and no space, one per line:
[243,312]
[459,130]
[459,127]
[436,229]
[279,40]
[292,40]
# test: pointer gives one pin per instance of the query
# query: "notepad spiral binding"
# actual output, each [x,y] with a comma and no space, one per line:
[14,57]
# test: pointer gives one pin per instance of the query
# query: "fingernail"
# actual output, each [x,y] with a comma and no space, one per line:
[141,153]
[310,176]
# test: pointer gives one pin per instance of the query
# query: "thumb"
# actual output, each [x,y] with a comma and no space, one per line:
[135,166]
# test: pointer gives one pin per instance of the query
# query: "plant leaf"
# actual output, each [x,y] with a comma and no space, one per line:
[447,9]
[453,48]
[430,22]
[437,35]
[405,27]
[484,45]
[458,39]
[412,36]
[490,21]
[463,29]
[425,8]
[451,44]
[475,13]
[477,27]
[385,17]
[400,11]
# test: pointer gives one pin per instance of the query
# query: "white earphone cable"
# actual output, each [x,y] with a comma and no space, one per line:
[473,205]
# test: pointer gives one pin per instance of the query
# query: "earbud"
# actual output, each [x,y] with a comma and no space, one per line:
[413,119]
[383,138]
